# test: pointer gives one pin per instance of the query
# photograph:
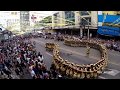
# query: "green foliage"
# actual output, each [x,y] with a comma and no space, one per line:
[47,20]
[44,22]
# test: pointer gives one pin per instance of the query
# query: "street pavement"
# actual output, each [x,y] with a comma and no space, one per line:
[77,55]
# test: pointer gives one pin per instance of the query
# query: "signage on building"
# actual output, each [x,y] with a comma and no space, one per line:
[108,23]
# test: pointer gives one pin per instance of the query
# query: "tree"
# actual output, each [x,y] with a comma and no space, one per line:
[47,20]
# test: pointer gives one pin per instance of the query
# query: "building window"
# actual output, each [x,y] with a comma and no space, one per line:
[85,21]
[82,13]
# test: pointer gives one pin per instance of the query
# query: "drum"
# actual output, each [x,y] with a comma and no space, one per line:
[71,72]
[75,74]
[99,72]
[78,75]
[67,72]
[82,75]
[91,74]
[57,67]
[62,69]
[95,74]
[87,75]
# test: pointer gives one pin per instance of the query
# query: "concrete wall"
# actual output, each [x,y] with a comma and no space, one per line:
[94,18]
[62,18]
[77,18]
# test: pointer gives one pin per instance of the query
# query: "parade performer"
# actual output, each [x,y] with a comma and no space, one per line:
[88,51]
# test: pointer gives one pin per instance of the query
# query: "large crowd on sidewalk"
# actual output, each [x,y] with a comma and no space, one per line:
[19,54]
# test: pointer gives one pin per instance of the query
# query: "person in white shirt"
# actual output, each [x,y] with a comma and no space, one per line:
[25,56]
[28,59]
[32,73]
[18,59]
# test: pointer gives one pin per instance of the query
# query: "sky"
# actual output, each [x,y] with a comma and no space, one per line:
[45,13]
[7,14]
[4,15]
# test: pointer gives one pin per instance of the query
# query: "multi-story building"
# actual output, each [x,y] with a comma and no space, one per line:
[24,20]
[35,17]
[74,20]
[63,18]
[10,19]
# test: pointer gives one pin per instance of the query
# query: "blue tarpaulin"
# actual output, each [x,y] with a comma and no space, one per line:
[109,18]
[106,30]
[109,30]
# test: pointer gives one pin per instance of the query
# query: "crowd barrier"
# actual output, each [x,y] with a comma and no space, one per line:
[73,70]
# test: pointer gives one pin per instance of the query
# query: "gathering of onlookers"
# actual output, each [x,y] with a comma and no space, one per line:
[19,57]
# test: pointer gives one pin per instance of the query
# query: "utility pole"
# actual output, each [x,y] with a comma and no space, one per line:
[81,31]
[88,30]
[82,27]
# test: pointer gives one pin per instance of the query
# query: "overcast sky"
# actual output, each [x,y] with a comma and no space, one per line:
[45,13]
[7,15]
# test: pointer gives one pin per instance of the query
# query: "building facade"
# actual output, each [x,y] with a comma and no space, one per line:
[24,20]
[68,18]
[83,23]
[10,20]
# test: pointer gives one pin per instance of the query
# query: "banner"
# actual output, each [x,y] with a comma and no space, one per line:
[109,23]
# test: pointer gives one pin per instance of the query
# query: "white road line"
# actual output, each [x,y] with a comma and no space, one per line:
[113,53]
[102,77]
[49,54]
[112,72]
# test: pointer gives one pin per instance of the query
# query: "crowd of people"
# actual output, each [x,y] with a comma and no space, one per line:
[110,44]
[19,57]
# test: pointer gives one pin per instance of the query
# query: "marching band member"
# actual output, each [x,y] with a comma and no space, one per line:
[88,50]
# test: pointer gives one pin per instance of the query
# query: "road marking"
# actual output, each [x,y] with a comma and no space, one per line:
[49,54]
[77,53]
[112,72]
[115,54]
[114,63]
[101,77]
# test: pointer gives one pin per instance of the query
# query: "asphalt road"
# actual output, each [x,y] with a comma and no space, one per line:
[77,55]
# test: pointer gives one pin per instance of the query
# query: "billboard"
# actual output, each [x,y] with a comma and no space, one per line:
[109,23]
